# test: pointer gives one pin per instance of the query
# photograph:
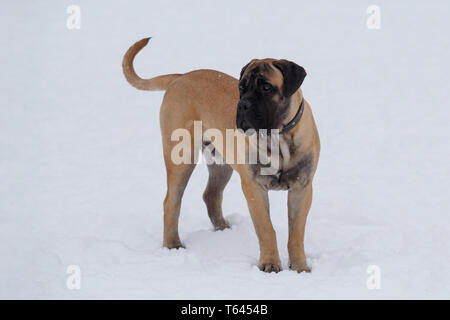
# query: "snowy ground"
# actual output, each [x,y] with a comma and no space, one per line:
[82,176]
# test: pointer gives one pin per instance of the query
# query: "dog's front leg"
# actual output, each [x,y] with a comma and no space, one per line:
[299,202]
[258,205]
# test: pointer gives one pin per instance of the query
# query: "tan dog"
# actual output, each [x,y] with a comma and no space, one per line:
[267,96]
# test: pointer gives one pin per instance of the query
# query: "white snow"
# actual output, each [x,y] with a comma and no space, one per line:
[82,177]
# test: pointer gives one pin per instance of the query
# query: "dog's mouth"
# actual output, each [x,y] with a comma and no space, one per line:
[249,120]
[246,127]
[243,125]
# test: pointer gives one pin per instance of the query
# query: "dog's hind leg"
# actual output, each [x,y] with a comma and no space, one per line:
[178,174]
[177,179]
[219,175]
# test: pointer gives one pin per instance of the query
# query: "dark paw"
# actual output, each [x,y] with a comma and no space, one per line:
[221,225]
[270,266]
[176,244]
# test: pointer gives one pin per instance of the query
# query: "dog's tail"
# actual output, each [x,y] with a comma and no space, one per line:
[153,84]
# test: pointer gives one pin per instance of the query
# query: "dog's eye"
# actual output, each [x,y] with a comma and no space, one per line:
[267,87]
[241,87]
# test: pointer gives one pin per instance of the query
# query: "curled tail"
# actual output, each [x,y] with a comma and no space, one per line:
[153,84]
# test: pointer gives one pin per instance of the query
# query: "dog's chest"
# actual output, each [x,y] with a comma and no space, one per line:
[297,172]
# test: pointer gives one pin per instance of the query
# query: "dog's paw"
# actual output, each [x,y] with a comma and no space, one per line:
[221,225]
[299,267]
[270,266]
[174,244]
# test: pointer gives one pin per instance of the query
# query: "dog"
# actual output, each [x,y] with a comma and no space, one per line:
[267,96]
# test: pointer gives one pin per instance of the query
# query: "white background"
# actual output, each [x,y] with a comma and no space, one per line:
[82,178]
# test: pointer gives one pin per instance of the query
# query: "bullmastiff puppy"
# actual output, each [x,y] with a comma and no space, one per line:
[267,96]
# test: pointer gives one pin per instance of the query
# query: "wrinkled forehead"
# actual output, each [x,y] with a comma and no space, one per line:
[263,69]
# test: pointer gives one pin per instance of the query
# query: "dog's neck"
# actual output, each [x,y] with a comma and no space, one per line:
[296,119]
[295,104]
[297,108]
[293,116]
[288,140]
[292,138]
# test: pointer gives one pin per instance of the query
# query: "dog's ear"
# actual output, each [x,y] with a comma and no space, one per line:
[243,70]
[293,75]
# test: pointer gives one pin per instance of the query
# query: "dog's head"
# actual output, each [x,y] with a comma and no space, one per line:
[265,88]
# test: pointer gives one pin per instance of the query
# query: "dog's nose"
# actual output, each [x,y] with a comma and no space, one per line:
[243,105]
